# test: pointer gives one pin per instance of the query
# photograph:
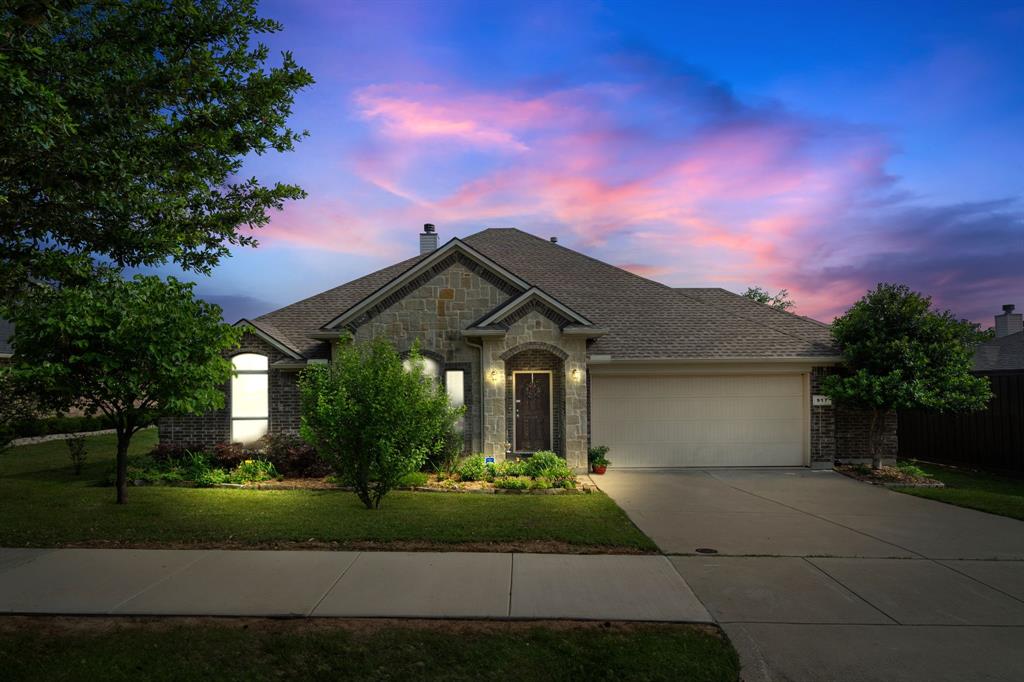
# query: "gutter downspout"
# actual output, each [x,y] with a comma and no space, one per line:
[480,411]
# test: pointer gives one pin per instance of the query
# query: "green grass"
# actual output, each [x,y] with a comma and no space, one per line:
[260,650]
[43,504]
[986,492]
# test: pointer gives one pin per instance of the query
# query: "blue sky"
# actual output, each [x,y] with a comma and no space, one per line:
[817,147]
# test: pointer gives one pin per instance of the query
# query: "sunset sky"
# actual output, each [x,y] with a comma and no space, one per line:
[712,144]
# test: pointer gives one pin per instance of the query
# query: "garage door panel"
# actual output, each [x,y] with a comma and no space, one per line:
[679,421]
[697,409]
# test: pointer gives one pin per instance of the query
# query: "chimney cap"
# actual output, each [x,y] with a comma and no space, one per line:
[554,240]
[1008,308]
[428,228]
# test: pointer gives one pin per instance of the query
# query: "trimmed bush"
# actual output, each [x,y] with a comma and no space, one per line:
[44,427]
[413,480]
[473,468]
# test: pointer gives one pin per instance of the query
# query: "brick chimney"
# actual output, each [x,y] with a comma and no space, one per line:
[1009,322]
[428,239]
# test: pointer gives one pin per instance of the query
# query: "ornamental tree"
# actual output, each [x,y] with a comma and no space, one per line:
[372,420]
[132,349]
[900,353]
[124,130]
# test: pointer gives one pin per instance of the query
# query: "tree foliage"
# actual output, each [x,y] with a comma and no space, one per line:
[124,129]
[899,353]
[780,301]
[372,420]
[131,349]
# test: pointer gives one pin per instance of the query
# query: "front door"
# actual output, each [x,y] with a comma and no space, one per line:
[532,411]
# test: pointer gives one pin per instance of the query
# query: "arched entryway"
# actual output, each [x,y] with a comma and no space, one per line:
[535,398]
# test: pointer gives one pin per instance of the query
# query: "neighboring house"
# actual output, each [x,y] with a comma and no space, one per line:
[551,349]
[992,438]
[6,332]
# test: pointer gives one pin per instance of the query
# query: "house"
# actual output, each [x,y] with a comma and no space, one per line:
[550,349]
[992,438]
[6,332]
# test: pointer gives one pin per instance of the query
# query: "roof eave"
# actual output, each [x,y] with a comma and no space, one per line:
[275,342]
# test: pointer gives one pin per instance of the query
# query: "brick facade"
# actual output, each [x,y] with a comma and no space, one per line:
[202,431]
[840,434]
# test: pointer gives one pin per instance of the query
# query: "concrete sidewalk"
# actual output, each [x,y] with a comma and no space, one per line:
[345,584]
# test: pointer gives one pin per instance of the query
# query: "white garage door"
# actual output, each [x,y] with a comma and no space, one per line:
[700,421]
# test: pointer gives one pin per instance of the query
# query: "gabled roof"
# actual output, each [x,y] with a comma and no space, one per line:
[266,331]
[1005,354]
[644,319]
[531,295]
[423,265]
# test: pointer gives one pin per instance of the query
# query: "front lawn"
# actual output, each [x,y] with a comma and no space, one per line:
[44,504]
[987,492]
[250,649]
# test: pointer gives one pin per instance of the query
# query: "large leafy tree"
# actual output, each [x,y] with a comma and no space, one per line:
[779,301]
[900,353]
[131,349]
[373,420]
[123,130]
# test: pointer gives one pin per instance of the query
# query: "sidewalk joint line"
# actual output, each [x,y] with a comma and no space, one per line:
[337,580]
[203,553]
[971,577]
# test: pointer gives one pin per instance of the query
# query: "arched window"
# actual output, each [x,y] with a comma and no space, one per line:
[431,367]
[250,405]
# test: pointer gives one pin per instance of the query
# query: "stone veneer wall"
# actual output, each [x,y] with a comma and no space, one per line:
[536,331]
[539,360]
[214,427]
[435,313]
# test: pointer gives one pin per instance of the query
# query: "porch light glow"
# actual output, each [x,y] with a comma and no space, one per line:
[575,373]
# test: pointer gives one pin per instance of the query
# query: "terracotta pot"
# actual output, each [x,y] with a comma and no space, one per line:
[600,469]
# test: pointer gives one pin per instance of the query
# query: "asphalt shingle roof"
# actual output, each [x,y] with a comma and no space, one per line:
[1000,355]
[644,319]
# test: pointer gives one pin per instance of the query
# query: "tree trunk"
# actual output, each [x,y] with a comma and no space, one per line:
[124,437]
[874,438]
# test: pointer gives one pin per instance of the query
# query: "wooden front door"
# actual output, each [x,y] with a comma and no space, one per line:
[533,411]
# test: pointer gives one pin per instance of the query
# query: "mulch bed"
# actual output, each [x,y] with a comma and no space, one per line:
[432,486]
[889,477]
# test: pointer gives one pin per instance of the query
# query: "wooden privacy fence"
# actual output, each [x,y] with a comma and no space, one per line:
[991,439]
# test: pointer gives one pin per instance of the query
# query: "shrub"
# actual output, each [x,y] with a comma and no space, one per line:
[540,484]
[512,482]
[372,420]
[211,477]
[229,455]
[76,449]
[444,458]
[413,480]
[253,471]
[910,469]
[291,456]
[596,456]
[51,425]
[508,467]
[540,463]
[166,452]
[472,468]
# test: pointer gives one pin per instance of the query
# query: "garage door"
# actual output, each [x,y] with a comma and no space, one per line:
[700,421]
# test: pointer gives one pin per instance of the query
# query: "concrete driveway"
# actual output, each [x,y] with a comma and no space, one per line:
[815,576]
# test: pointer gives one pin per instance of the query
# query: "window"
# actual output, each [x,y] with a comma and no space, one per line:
[250,404]
[454,382]
[431,368]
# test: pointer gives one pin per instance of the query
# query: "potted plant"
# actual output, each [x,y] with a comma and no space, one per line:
[596,456]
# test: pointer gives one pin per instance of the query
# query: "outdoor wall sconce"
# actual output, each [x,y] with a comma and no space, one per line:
[494,376]
[575,373]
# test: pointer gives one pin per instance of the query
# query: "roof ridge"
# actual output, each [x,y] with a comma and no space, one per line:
[548,242]
[748,319]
